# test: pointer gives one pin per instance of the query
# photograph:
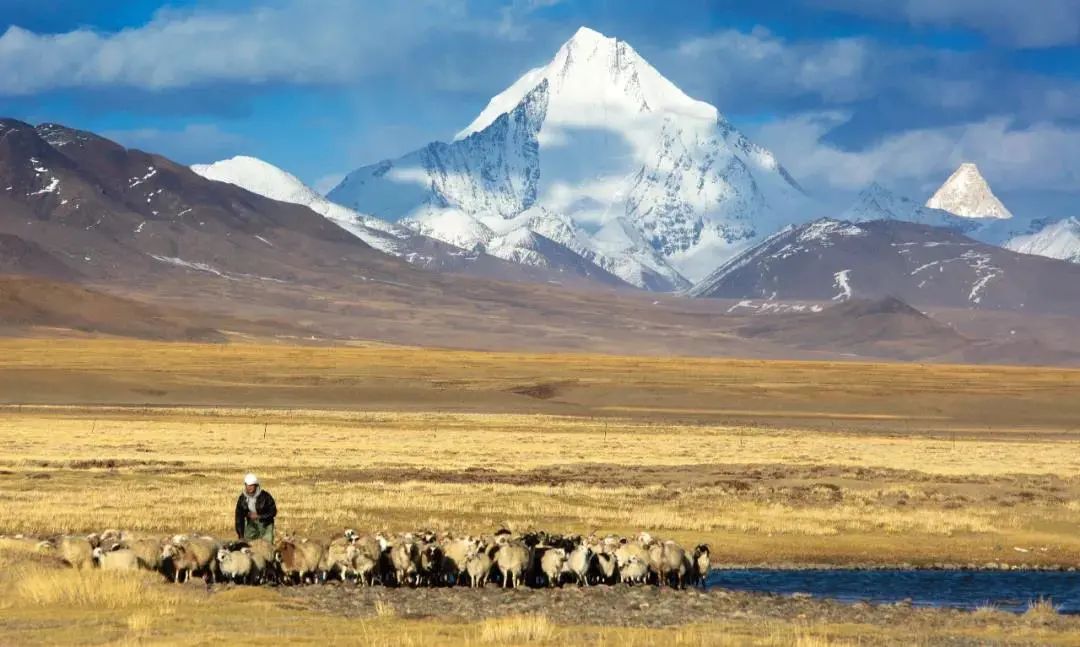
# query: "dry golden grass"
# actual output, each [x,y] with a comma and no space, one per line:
[513,630]
[813,462]
[398,471]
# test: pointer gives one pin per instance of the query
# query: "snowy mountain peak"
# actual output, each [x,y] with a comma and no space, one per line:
[267,180]
[599,153]
[596,81]
[967,194]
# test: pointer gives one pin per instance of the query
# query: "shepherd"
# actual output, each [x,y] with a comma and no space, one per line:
[255,511]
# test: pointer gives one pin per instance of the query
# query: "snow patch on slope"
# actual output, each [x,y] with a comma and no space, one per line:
[842,282]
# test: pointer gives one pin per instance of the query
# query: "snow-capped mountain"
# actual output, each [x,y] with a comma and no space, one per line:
[832,260]
[265,179]
[875,202]
[600,153]
[1059,240]
[967,194]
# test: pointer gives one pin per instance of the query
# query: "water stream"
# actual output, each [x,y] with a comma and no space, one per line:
[1007,590]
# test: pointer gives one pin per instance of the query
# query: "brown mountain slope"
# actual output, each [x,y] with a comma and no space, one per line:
[883,327]
[32,302]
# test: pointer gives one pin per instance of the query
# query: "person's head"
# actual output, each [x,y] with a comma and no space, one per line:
[251,483]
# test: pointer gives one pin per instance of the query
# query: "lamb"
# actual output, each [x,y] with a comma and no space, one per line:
[116,560]
[236,565]
[551,565]
[478,567]
[77,552]
[513,558]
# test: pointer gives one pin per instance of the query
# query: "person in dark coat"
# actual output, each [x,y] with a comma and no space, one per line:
[255,511]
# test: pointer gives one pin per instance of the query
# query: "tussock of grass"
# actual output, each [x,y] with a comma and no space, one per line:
[384,609]
[1041,611]
[88,589]
[513,630]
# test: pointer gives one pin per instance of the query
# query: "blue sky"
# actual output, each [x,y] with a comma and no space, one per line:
[843,91]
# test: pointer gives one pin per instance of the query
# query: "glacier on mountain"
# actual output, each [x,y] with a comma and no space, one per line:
[600,153]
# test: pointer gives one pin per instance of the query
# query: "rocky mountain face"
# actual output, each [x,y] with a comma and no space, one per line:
[967,194]
[831,260]
[267,180]
[599,153]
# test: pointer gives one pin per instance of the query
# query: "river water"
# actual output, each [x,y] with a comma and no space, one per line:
[1007,590]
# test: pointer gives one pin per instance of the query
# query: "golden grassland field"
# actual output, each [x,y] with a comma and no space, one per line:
[769,463]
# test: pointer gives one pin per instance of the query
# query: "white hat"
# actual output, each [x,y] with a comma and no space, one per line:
[251,479]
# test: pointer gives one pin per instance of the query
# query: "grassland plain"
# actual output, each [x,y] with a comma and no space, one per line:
[770,462]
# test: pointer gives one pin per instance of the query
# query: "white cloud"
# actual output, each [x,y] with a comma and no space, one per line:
[1019,23]
[1043,156]
[763,63]
[312,41]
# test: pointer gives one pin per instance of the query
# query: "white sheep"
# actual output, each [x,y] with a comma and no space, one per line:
[405,557]
[513,558]
[478,567]
[579,562]
[116,560]
[236,565]
[634,571]
[551,565]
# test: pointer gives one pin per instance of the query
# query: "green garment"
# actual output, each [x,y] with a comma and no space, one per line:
[257,530]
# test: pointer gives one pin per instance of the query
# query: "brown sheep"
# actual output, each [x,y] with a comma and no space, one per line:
[298,559]
[182,560]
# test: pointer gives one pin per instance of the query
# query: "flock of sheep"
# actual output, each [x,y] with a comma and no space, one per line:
[423,558]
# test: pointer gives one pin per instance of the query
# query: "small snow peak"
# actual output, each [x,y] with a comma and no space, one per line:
[587,37]
[967,194]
